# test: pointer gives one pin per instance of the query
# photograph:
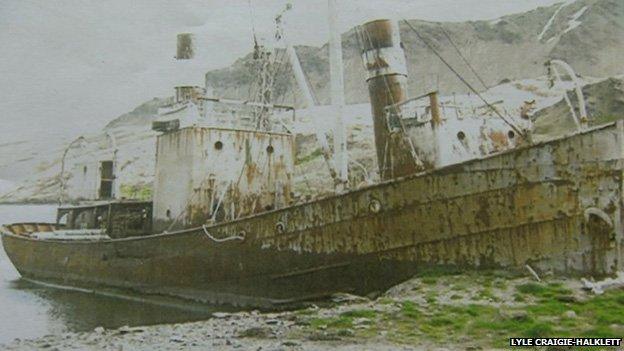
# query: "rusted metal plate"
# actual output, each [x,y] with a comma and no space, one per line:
[522,206]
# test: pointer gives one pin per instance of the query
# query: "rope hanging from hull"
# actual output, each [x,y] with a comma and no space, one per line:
[240,236]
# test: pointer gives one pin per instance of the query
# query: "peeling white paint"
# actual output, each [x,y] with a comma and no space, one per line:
[203,171]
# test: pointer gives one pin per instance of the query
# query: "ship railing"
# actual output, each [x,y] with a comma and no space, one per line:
[249,103]
[410,112]
[242,113]
[414,112]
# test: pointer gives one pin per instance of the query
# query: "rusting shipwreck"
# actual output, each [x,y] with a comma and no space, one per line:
[222,227]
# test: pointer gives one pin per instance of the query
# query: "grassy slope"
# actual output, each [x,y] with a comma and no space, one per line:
[476,311]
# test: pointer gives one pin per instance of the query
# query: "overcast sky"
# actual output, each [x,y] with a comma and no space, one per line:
[79,63]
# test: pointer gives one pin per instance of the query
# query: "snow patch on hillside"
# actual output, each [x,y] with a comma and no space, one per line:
[550,22]
[574,21]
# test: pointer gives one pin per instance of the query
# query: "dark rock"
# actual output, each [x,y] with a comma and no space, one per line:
[514,315]
[323,336]
[566,298]
[255,332]
[176,340]
[302,322]
[345,332]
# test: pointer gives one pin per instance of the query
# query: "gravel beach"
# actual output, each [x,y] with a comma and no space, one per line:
[468,311]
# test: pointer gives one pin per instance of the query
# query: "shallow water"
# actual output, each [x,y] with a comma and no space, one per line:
[28,310]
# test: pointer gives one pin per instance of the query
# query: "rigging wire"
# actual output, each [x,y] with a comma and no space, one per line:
[463,80]
[448,37]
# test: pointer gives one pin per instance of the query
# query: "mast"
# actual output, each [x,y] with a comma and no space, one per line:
[337,96]
[300,76]
[308,95]
[302,82]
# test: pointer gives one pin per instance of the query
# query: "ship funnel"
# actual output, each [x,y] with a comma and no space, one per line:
[386,67]
[186,46]
[188,87]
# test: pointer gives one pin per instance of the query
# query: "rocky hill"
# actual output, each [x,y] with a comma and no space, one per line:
[588,34]
[142,115]
[604,100]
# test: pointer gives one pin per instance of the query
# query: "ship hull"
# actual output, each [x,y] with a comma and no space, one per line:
[554,206]
[191,266]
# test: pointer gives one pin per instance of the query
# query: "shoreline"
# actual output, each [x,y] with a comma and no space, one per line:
[224,331]
[439,311]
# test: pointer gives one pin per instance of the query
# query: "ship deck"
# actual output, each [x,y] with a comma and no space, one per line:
[53,232]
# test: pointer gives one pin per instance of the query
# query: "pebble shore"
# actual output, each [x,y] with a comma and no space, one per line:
[468,312]
[238,331]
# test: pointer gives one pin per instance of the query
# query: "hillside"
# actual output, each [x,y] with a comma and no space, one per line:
[588,34]
[605,103]
[142,115]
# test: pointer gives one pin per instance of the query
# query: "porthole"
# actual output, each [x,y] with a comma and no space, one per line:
[242,234]
[374,206]
[461,135]
[280,227]
[270,149]
[511,134]
[218,145]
